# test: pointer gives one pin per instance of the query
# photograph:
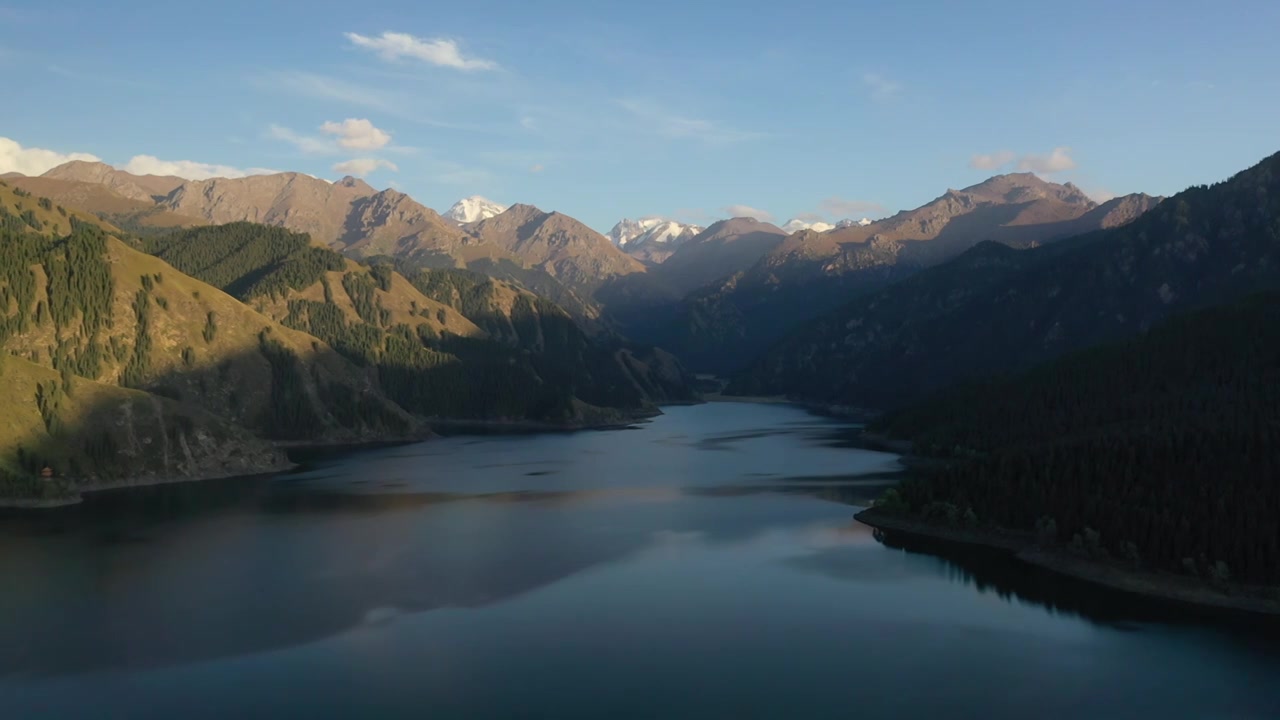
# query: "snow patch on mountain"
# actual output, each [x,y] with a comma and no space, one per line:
[634,233]
[851,223]
[474,209]
[795,225]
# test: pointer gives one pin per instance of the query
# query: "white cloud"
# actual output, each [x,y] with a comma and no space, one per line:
[748,211]
[991,161]
[350,134]
[391,46]
[1099,195]
[188,169]
[357,134]
[1055,162]
[1058,160]
[881,87]
[841,208]
[536,168]
[308,145]
[321,87]
[675,126]
[363,166]
[34,161]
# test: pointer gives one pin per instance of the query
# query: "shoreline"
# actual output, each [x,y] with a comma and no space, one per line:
[81,490]
[1162,586]
[348,445]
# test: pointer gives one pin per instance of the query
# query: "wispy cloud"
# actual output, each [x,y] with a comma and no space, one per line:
[189,169]
[1099,194]
[1056,161]
[363,166]
[881,87]
[840,208]
[445,172]
[442,52]
[35,161]
[304,143]
[92,77]
[322,87]
[675,126]
[991,161]
[747,211]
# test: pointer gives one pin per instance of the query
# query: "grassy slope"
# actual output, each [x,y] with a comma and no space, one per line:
[229,377]
[102,202]
[153,438]
[12,202]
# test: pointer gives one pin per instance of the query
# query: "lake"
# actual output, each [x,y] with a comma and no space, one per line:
[705,564]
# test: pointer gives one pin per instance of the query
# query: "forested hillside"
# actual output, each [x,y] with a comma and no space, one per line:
[307,347]
[1159,452]
[996,309]
[90,305]
[444,343]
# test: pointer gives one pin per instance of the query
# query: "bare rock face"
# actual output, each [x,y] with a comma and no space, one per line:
[292,200]
[727,247]
[135,187]
[568,250]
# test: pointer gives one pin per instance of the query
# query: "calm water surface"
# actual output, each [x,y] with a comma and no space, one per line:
[703,565]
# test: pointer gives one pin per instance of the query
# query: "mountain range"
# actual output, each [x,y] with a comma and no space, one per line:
[197,352]
[795,225]
[723,322]
[653,239]
[716,296]
[995,309]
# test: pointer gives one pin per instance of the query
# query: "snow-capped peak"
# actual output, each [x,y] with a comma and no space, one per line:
[474,209]
[850,223]
[651,230]
[796,225]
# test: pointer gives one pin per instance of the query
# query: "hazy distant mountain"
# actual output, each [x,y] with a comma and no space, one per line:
[568,250]
[850,223]
[809,272]
[473,209]
[720,251]
[796,225]
[651,240]
[652,229]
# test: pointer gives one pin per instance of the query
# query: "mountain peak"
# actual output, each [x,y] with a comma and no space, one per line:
[651,231]
[795,225]
[474,209]
[134,187]
[1023,187]
[356,184]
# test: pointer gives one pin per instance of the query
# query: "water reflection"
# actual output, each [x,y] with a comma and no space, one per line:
[567,575]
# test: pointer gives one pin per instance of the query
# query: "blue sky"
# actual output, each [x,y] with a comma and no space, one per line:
[685,109]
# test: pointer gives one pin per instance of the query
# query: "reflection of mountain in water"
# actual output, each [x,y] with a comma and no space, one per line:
[993,571]
[160,574]
[373,557]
